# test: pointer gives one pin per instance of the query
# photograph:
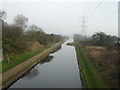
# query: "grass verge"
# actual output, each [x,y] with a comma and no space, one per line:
[71,44]
[18,59]
[91,77]
[15,60]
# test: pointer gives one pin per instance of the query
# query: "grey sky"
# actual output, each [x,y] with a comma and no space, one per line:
[64,17]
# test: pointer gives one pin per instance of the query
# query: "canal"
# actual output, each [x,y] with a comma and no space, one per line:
[58,70]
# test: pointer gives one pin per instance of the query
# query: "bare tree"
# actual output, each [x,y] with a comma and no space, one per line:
[21,21]
[35,28]
[2,15]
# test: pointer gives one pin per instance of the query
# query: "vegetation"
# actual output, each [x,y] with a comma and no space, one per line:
[71,44]
[2,14]
[91,77]
[105,62]
[16,41]
[20,41]
[97,39]
[101,39]
[102,52]
[15,60]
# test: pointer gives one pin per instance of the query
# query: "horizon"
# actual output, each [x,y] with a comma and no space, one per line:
[64,17]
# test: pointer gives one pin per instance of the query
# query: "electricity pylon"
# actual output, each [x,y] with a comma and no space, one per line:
[83,29]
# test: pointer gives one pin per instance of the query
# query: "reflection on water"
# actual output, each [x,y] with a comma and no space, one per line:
[57,49]
[31,74]
[47,59]
[35,71]
[62,71]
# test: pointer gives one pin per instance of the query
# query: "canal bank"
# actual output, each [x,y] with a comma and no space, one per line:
[89,76]
[82,76]
[15,73]
[59,70]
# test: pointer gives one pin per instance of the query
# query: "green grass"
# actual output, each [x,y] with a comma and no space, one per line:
[18,59]
[71,44]
[15,60]
[91,77]
[25,68]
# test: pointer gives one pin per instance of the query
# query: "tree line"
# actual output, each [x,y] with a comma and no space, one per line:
[102,51]
[98,39]
[16,36]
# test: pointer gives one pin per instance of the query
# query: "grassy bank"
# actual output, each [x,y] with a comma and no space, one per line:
[15,60]
[71,44]
[105,61]
[18,59]
[91,77]
[14,73]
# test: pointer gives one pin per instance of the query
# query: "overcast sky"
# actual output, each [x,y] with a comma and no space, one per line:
[64,17]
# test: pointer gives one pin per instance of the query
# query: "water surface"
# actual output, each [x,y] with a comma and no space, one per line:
[58,70]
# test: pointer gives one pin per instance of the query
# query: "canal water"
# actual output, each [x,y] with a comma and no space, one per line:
[58,70]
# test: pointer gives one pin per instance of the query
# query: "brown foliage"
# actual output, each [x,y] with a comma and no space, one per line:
[105,62]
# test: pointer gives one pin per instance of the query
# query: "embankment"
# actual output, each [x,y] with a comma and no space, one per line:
[15,73]
[90,78]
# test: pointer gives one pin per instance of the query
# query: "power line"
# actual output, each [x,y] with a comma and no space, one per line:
[106,18]
[104,9]
[87,9]
[99,4]
[83,29]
